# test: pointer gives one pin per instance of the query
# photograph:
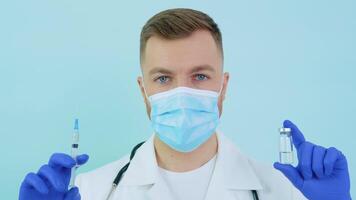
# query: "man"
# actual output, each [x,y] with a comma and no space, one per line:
[183,85]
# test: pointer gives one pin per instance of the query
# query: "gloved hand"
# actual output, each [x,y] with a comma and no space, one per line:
[321,174]
[52,180]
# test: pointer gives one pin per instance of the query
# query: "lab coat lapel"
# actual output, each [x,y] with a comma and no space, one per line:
[160,190]
[232,173]
[143,167]
[144,171]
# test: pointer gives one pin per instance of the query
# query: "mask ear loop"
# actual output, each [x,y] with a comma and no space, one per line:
[221,85]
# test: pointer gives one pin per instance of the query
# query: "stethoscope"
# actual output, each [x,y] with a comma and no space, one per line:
[124,169]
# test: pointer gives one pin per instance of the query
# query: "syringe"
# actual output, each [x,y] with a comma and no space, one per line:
[74,151]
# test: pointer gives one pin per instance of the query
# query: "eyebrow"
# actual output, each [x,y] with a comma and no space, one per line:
[198,68]
[160,70]
[202,68]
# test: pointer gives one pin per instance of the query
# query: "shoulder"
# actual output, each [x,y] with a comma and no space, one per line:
[268,175]
[104,173]
[99,180]
[274,181]
[274,184]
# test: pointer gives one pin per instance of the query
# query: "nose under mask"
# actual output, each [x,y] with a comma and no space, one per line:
[184,118]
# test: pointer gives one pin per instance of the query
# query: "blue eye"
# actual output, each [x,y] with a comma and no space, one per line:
[200,77]
[162,79]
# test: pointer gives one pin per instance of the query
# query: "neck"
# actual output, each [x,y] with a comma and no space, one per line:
[172,160]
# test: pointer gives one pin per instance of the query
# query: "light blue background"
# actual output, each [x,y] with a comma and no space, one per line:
[65,59]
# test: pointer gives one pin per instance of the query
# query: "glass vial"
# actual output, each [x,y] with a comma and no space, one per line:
[285,146]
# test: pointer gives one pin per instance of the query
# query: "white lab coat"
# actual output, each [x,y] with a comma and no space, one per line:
[234,176]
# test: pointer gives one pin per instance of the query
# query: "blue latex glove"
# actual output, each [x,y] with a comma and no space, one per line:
[52,180]
[321,174]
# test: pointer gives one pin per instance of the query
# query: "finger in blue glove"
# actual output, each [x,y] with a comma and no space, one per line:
[52,179]
[321,173]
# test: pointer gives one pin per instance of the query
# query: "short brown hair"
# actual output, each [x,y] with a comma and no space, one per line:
[178,23]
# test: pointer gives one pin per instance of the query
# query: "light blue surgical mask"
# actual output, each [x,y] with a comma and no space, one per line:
[184,118]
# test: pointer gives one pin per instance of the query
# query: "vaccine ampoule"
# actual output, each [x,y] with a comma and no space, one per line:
[285,146]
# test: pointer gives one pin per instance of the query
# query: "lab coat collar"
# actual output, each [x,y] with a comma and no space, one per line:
[232,170]
[143,169]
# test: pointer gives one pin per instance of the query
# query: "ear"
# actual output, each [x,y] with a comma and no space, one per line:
[225,84]
[223,92]
[142,89]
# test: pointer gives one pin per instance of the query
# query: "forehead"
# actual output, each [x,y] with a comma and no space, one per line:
[180,54]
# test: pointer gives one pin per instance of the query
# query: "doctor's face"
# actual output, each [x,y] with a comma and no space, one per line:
[194,61]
